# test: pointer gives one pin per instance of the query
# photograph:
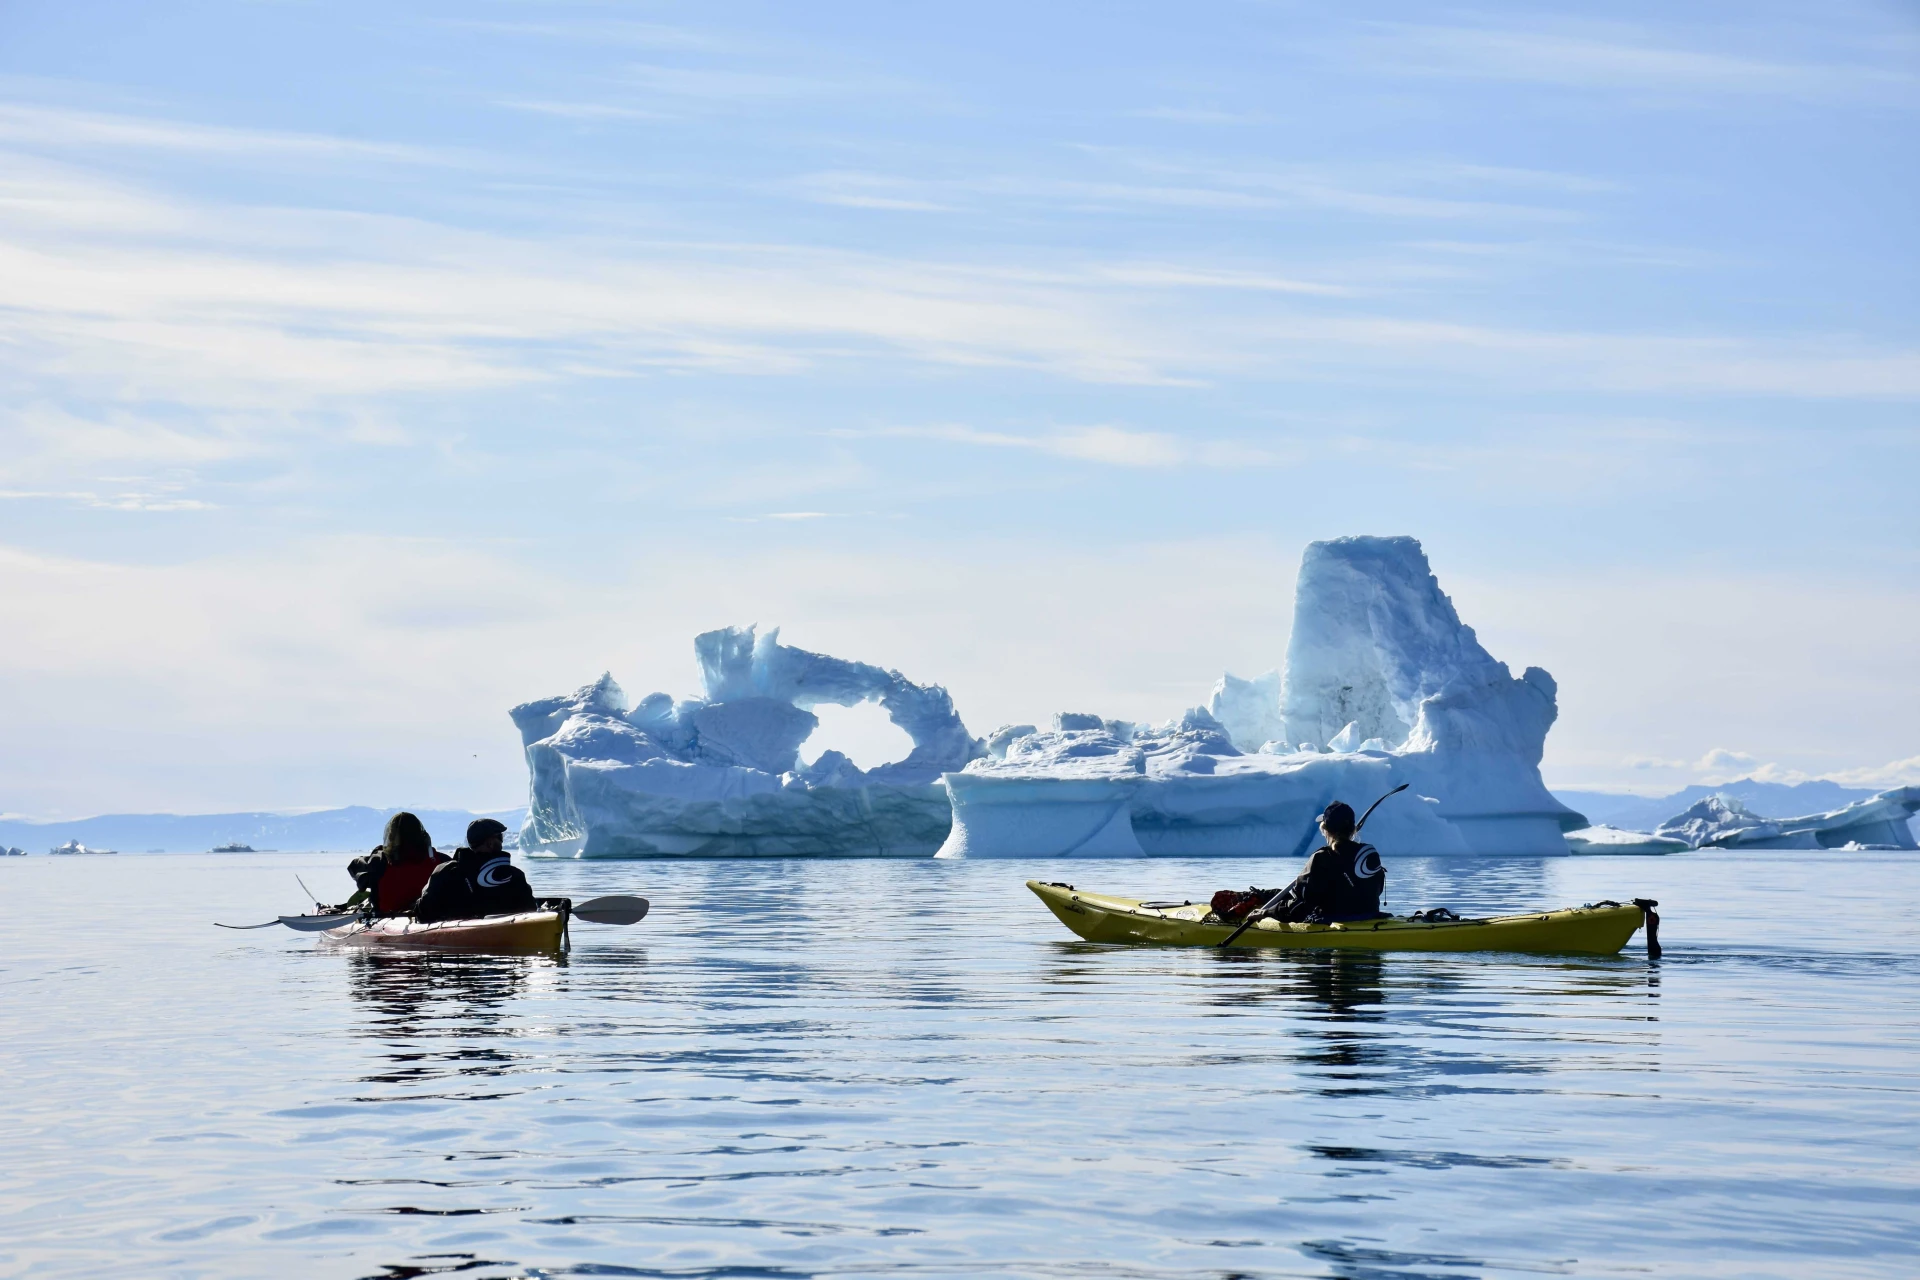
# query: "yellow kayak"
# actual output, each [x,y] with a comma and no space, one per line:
[526,931]
[1601,929]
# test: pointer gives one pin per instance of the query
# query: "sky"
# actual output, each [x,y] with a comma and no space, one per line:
[366,369]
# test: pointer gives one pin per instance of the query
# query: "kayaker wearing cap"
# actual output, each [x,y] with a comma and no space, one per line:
[480,881]
[396,871]
[1343,880]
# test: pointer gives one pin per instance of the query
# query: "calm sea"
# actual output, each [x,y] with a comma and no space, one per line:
[910,1069]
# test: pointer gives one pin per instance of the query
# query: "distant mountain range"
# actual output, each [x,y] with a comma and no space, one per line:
[1768,799]
[356,828]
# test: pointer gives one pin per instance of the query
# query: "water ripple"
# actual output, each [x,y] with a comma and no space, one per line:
[825,1087]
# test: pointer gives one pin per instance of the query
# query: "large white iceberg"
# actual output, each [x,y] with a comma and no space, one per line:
[1723,822]
[1383,684]
[720,775]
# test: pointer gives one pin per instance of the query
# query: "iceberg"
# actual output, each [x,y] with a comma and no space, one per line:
[1249,710]
[720,775]
[1882,821]
[1383,684]
[1601,838]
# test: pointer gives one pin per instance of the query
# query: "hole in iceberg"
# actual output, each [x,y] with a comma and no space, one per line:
[862,733]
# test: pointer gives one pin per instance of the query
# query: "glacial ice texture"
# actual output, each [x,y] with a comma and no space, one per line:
[1383,684]
[1883,821]
[720,775]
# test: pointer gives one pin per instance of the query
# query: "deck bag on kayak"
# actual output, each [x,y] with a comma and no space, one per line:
[1232,906]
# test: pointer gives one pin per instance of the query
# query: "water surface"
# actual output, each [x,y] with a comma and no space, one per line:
[878,1068]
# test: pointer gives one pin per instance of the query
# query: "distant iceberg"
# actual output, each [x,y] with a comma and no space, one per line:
[719,775]
[1383,684]
[1881,821]
[1612,840]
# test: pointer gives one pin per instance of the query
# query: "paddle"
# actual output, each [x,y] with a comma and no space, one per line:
[612,909]
[303,924]
[1255,916]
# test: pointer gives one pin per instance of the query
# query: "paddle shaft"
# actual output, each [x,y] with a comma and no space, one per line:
[1255,916]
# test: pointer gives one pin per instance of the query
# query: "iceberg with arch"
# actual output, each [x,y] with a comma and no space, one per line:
[1383,685]
[719,775]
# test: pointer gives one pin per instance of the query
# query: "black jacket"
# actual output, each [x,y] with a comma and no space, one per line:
[1342,884]
[472,885]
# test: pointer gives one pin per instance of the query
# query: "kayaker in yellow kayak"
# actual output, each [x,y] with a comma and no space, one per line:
[480,881]
[1343,880]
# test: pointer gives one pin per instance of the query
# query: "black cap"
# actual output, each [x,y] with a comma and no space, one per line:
[480,828]
[1338,818]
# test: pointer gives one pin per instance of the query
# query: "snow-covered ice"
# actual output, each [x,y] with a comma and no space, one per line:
[1249,710]
[1383,684]
[719,775]
[1605,839]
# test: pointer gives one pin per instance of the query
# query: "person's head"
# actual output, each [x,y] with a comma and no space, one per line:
[406,838]
[484,835]
[1336,823]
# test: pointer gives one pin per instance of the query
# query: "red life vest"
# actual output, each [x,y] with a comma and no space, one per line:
[401,884]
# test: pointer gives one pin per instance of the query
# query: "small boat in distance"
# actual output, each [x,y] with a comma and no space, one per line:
[235,847]
[75,847]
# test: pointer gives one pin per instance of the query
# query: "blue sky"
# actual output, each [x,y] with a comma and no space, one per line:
[370,368]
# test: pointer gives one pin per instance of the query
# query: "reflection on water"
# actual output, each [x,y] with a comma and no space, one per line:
[882,1068]
[428,1009]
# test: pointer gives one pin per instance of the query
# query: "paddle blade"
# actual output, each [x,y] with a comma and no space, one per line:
[314,924]
[268,925]
[613,909]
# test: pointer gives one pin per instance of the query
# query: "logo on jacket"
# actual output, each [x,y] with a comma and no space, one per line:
[1366,863]
[495,873]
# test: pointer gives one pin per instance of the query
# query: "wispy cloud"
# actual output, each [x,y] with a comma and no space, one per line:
[1144,182]
[1109,445]
[217,315]
[63,130]
[866,191]
[580,110]
[1596,56]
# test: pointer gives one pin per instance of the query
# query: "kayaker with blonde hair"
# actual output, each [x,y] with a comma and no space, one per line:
[393,875]
[481,880]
